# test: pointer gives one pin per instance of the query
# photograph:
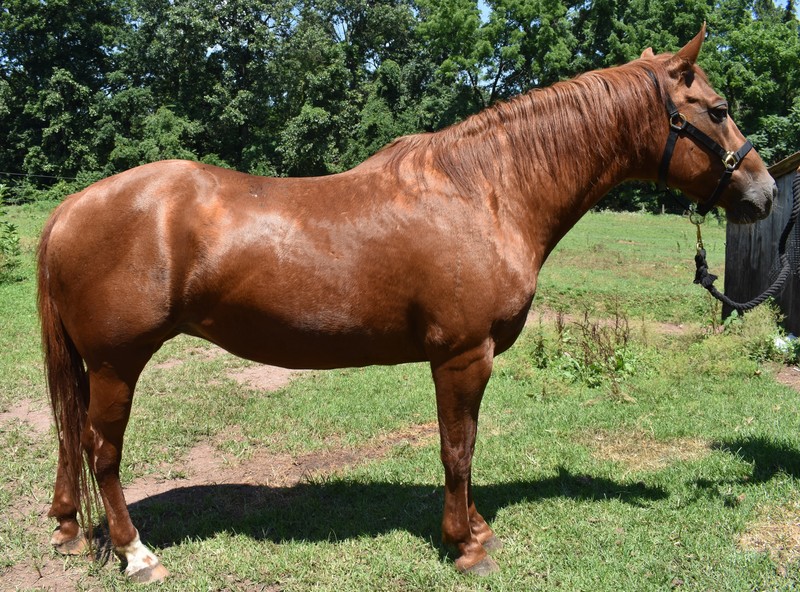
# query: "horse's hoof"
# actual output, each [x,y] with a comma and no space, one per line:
[484,567]
[143,567]
[149,574]
[493,544]
[77,545]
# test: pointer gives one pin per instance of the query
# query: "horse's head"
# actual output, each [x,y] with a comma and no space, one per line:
[705,155]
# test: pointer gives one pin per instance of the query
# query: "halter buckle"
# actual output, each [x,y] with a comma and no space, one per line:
[677,121]
[731,161]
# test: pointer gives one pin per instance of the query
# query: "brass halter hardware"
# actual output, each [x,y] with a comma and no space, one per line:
[680,126]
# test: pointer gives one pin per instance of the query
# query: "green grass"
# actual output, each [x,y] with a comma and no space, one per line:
[571,517]
[642,263]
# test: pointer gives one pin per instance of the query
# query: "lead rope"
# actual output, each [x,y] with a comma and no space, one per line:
[706,279]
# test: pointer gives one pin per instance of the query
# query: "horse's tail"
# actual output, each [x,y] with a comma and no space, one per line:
[68,384]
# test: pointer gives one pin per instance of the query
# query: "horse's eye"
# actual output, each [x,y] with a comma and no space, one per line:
[718,114]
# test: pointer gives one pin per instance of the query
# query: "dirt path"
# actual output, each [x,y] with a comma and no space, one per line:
[551,317]
[207,465]
[34,413]
[789,376]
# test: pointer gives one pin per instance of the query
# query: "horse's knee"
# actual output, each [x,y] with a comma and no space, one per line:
[457,461]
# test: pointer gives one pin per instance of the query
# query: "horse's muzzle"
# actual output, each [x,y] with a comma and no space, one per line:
[755,205]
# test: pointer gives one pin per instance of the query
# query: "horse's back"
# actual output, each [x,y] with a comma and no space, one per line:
[352,269]
[262,266]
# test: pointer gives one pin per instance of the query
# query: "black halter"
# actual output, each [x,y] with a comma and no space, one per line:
[678,125]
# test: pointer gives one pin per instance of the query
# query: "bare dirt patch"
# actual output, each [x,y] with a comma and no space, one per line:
[206,465]
[790,376]
[776,532]
[263,376]
[48,574]
[31,412]
[639,451]
[246,585]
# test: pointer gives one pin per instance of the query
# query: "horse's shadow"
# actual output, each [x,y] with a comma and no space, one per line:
[339,509]
[767,456]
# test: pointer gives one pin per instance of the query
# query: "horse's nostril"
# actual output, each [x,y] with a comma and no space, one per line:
[774,191]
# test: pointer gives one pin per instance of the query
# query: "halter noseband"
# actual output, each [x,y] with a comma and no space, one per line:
[678,125]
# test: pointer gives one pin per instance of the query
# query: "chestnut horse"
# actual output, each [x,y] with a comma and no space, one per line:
[427,251]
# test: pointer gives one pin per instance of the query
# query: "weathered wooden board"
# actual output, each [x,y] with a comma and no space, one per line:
[751,251]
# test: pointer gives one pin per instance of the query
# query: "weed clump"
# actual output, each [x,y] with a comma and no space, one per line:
[9,245]
[593,352]
[742,344]
[759,334]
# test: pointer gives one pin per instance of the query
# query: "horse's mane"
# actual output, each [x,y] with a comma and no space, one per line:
[557,130]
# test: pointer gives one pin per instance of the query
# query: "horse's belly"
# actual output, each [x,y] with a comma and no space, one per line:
[318,341]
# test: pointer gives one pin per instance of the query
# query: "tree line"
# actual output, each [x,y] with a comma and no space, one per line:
[89,88]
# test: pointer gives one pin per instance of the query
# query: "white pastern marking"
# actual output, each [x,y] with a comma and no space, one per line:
[137,555]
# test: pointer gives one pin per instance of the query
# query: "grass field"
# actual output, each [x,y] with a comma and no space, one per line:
[650,451]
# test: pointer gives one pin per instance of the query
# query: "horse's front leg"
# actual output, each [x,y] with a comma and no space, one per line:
[460,381]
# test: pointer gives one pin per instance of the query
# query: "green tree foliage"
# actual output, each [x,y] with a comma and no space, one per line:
[755,66]
[54,57]
[305,87]
[534,44]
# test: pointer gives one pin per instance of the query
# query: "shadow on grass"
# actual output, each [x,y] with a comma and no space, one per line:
[768,457]
[342,509]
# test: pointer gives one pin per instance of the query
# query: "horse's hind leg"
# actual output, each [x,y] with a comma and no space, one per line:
[111,393]
[68,538]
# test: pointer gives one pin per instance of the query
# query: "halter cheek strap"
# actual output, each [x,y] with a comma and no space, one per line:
[679,126]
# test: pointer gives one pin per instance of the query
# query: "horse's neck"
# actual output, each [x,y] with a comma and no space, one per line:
[550,197]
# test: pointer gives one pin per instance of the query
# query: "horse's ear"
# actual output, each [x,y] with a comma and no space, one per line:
[648,53]
[690,51]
